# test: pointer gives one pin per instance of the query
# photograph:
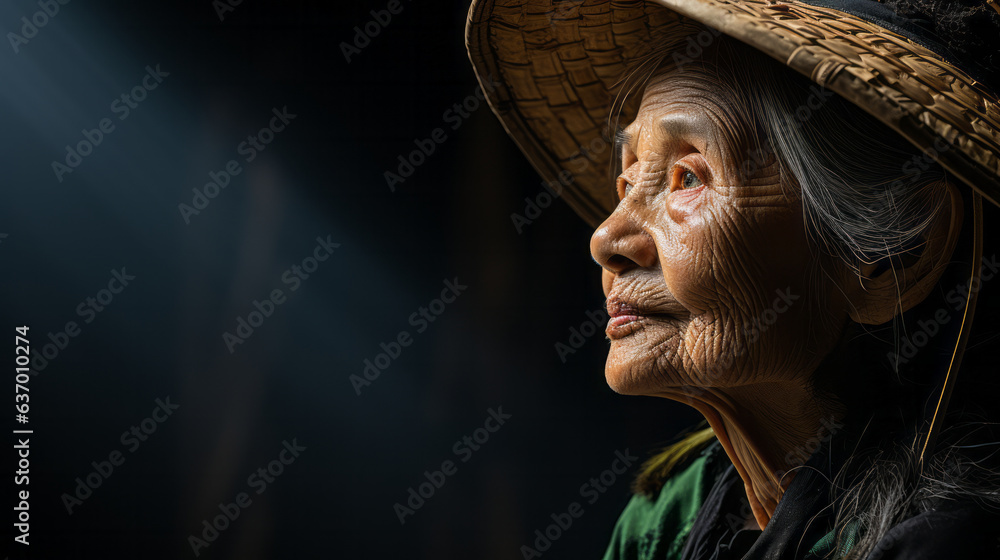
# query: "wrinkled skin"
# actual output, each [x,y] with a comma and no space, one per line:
[692,256]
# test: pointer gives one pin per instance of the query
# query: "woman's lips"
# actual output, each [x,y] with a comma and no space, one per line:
[617,308]
[626,318]
[623,325]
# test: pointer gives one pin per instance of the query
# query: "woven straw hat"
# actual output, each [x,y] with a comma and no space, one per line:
[560,66]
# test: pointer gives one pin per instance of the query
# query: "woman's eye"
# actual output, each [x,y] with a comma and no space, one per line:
[689,180]
[623,188]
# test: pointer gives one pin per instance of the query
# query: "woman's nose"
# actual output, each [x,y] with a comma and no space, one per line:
[620,244]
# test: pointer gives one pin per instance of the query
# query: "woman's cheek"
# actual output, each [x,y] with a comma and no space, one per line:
[684,205]
[690,256]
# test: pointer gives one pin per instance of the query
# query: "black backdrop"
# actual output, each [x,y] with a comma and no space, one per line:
[161,338]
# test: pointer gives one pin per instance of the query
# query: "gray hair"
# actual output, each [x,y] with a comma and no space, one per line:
[869,197]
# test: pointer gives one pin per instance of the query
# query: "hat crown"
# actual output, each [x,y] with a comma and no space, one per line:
[962,32]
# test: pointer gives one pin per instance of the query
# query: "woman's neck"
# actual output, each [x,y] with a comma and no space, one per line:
[767,430]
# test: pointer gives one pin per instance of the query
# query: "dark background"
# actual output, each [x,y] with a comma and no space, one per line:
[322,176]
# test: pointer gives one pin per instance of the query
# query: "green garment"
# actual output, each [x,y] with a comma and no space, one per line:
[657,529]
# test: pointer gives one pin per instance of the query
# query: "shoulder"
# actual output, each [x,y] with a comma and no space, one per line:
[656,527]
[959,531]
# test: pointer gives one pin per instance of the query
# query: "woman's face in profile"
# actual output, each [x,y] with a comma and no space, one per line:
[710,278]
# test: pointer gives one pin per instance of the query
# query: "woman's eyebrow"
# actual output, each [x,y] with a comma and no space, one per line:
[679,126]
[676,127]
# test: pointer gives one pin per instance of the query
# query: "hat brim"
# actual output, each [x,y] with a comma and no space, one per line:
[559,69]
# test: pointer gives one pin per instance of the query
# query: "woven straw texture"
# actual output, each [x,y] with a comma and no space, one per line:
[560,66]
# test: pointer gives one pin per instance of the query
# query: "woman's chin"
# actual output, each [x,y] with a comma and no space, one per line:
[637,363]
[626,377]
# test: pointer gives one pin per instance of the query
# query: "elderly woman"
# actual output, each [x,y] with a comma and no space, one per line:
[791,240]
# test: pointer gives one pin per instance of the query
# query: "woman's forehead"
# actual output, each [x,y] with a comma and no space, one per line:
[688,105]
